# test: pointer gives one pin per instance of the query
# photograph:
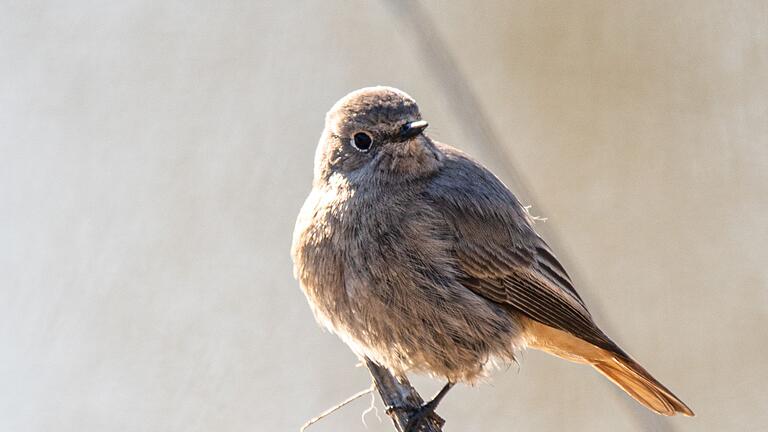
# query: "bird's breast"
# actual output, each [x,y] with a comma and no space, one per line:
[379,271]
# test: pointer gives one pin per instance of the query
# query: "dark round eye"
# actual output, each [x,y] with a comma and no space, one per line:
[362,141]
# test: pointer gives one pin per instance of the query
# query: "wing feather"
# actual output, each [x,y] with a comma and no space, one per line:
[500,256]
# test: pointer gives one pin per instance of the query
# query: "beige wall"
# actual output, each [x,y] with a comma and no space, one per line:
[153,156]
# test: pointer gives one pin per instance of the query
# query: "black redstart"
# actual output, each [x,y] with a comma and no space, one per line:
[420,259]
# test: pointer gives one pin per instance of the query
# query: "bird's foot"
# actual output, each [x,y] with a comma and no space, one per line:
[428,409]
[418,416]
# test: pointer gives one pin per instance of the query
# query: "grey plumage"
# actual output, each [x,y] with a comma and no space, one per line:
[420,258]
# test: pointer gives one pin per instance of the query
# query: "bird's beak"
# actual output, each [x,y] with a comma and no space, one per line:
[412,129]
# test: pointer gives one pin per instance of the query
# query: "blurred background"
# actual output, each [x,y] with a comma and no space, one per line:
[154,155]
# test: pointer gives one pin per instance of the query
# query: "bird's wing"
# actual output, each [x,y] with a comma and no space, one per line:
[498,254]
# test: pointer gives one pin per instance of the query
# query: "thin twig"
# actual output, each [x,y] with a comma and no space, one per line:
[371,407]
[333,409]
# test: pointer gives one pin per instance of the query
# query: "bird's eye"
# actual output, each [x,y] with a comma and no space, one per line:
[362,141]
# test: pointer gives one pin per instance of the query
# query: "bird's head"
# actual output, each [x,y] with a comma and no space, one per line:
[375,134]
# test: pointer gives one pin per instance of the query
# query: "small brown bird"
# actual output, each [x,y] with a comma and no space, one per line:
[420,259]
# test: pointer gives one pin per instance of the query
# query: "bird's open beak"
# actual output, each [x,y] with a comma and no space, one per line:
[412,129]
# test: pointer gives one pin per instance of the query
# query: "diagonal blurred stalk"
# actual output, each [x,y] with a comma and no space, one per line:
[468,109]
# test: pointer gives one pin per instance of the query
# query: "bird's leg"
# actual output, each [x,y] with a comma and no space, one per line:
[428,408]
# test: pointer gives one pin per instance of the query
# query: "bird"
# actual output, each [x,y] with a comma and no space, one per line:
[419,258]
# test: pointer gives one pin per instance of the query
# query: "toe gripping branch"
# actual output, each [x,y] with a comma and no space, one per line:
[404,405]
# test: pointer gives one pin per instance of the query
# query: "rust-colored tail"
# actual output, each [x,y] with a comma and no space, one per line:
[616,366]
[639,384]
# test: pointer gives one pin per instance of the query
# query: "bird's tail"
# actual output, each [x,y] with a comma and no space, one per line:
[616,366]
[639,384]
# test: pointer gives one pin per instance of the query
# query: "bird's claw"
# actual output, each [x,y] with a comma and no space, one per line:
[418,416]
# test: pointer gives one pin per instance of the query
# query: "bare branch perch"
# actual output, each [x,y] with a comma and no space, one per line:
[401,399]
